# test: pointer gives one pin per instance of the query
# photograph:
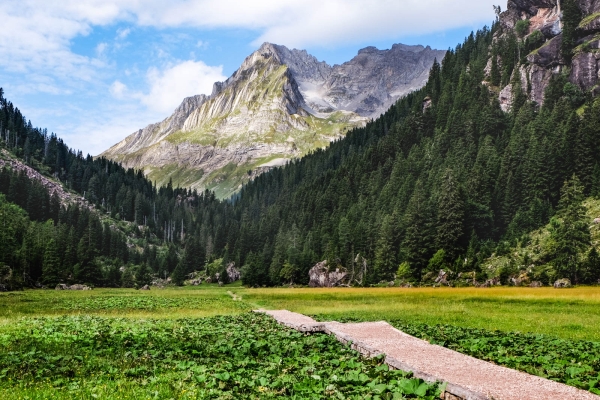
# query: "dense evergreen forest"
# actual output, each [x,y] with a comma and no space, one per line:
[443,179]
[129,231]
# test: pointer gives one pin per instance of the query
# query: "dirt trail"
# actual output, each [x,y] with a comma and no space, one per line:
[467,378]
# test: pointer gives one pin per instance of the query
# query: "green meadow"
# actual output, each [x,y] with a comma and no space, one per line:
[204,342]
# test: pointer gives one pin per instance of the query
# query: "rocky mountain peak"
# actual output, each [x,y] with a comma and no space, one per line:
[280,104]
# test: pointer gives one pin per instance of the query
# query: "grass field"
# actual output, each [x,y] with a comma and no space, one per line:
[203,342]
[569,314]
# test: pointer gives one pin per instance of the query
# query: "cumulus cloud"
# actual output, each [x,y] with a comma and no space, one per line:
[171,85]
[36,42]
[319,22]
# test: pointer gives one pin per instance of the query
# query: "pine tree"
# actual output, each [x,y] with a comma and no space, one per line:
[592,267]
[570,21]
[418,238]
[450,215]
[386,264]
[572,235]
[495,75]
[142,276]
[178,275]
[51,268]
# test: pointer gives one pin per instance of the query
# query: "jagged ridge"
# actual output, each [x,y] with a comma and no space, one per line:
[278,105]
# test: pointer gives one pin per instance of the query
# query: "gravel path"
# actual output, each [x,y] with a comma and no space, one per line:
[467,377]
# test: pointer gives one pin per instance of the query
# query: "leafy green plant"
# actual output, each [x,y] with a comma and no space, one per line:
[246,356]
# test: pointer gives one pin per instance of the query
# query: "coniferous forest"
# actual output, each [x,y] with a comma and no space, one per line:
[443,179]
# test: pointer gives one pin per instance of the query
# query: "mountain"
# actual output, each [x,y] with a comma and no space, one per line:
[280,104]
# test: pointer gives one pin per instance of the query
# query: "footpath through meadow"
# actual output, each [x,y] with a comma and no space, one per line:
[467,378]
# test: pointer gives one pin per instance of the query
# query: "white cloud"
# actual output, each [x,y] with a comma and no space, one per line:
[171,85]
[118,89]
[123,33]
[319,22]
[36,46]
[101,48]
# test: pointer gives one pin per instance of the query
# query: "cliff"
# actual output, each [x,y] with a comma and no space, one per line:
[546,24]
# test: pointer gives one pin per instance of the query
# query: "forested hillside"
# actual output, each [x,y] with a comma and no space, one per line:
[443,179]
[124,232]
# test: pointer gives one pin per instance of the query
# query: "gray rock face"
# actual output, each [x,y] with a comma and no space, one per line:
[545,16]
[373,80]
[155,133]
[279,104]
[584,70]
[548,56]
[589,6]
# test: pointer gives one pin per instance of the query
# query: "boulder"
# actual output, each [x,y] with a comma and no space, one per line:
[233,273]
[79,287]
[145,287]
[536,284]
[321,276]
[442,278]
[61,286]
[562,283]
[490,283]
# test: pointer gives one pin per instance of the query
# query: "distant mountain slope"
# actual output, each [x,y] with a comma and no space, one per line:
[280,104]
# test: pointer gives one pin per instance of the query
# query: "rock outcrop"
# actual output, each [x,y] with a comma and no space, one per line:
[233,273]
[280,104]
[562,283]
[321,276]
[545,17]
[62,286]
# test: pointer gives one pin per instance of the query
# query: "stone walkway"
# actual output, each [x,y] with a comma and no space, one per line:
[467,378]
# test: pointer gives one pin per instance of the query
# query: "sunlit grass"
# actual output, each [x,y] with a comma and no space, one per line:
[570,314]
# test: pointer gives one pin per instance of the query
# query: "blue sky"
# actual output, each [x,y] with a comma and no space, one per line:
[95,71]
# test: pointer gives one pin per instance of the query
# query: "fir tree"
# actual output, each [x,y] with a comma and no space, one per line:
[450,229]
[571,16]
[51,268]
[385,264]
[572,235]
